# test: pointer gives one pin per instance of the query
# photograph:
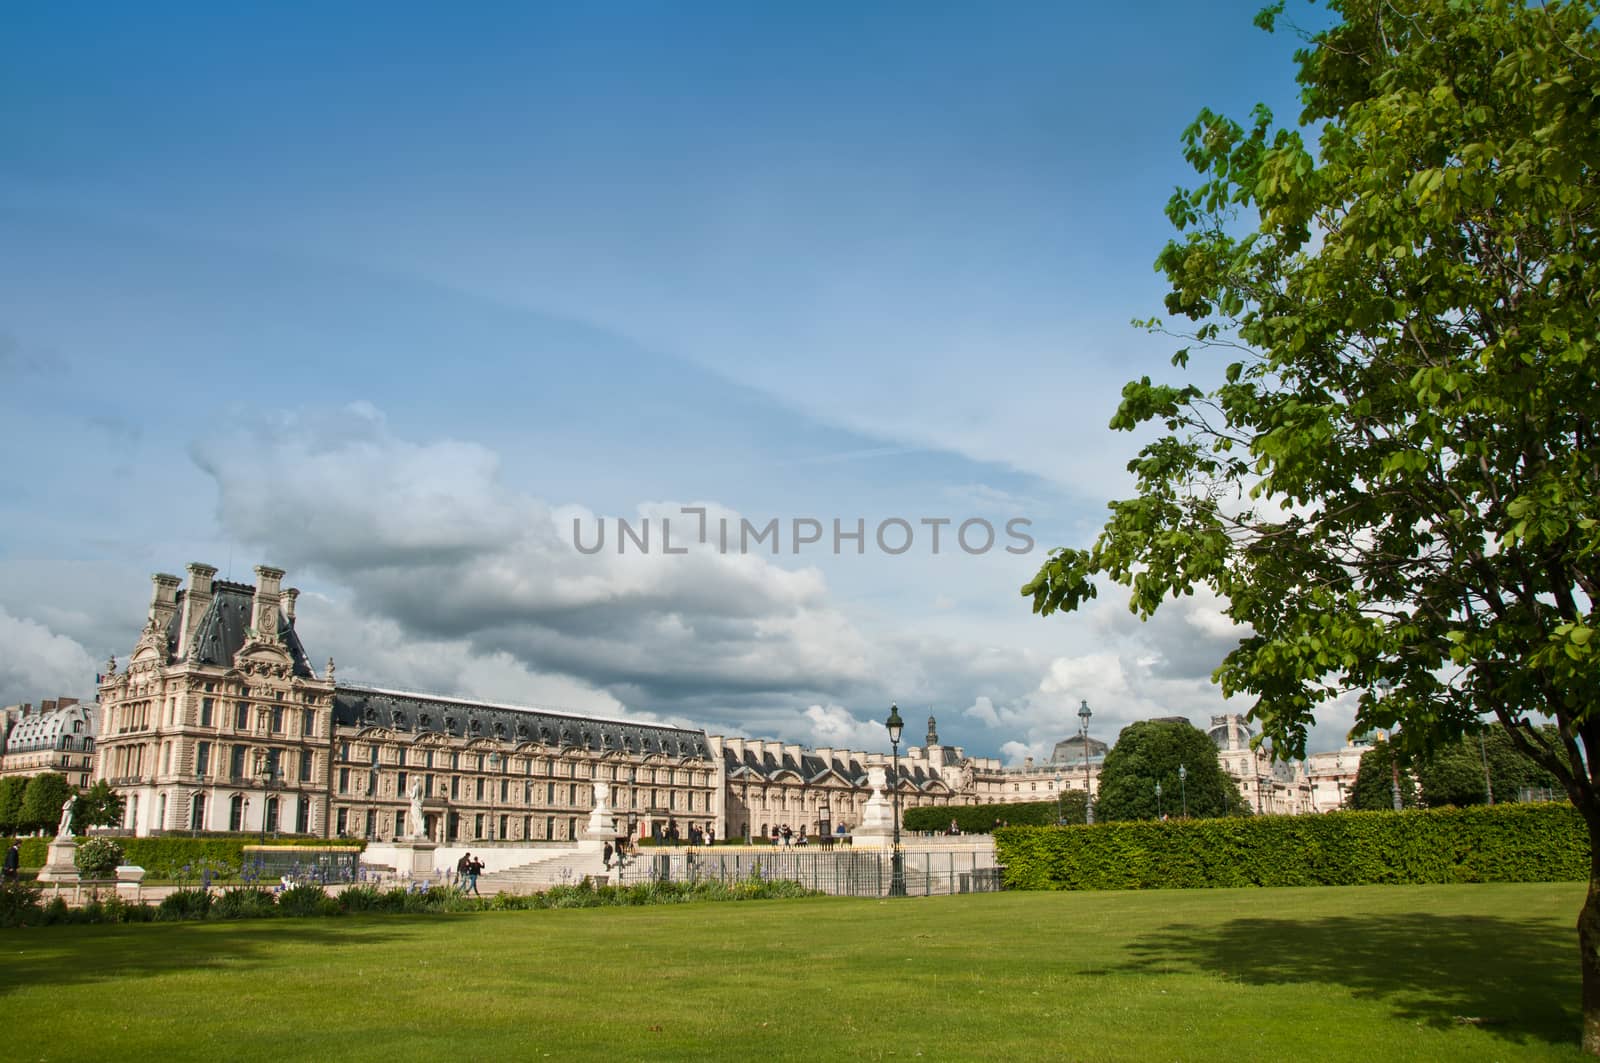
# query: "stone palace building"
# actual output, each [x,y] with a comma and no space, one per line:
[219,721]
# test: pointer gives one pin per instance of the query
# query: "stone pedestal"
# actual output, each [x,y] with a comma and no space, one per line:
[602,825]
[61,864]
[420,853]
[872,837]
[130,881]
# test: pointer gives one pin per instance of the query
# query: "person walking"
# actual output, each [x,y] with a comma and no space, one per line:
[474,869]
[461,870]
[13,862]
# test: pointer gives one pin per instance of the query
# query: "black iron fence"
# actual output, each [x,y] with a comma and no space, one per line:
[302,863]
[846,872]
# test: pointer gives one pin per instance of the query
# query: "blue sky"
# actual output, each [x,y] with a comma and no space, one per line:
[386,294]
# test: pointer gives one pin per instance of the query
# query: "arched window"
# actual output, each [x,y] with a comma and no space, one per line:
[272,815]
[197,812]
[236,813]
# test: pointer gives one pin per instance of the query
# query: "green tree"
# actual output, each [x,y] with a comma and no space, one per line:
[1151,751]
[12,789]
[98,806]
[1454,774]
[42,801]
[1391,473]
[1375,778]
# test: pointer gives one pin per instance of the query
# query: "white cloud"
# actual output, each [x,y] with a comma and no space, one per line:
[38,663]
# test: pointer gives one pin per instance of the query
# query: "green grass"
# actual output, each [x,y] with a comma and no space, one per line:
[1360,973]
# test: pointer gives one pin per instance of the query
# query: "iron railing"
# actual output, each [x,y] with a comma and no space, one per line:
[845,872]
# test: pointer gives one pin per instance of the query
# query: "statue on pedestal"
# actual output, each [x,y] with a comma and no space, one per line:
[417,822]
[65,829]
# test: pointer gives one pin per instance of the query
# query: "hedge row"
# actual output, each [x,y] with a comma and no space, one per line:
[161,856]
[1502,843]
[21,904]
[980,819]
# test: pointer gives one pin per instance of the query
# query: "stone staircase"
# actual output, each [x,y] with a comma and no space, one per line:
[563,870]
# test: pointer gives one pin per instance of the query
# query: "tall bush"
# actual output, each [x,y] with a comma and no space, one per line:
[1502,843]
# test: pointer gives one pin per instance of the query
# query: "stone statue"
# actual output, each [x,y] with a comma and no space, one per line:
[65,829]
[416,808]
[877,778]
[602,794]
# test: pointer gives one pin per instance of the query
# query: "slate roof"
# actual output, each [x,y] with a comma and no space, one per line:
[813,769]
[399,710]
[1070,751]
[222,629]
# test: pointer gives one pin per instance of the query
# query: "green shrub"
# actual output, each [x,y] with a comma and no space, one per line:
[20,904]
[56,911]
[1502,843]
[244,902]
[117,910]
[98,858]
[161,856]
[361,899]
[184,904]
[308,899]
[980,819]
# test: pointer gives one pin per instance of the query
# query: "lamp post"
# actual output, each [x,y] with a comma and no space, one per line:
[1394,760]
[1183,784]
[372,794]
[1158,799]
[271,779]
[1488,787]
[747,839]
[197,806]
[1058,800]
[1083,734]
[495,761]
[897,868]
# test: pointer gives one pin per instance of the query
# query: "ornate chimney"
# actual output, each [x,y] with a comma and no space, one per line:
[264,609]
[163,599]
[195,602]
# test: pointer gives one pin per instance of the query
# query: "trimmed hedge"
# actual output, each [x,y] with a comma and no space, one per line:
[1502,843]
[979,819]
[163,856]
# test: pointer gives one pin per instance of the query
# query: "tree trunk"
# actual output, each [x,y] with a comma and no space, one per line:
[1589,940]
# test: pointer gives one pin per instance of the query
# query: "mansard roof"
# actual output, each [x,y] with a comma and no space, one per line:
[398,710]
[53,729]
[224,627]
[811,768]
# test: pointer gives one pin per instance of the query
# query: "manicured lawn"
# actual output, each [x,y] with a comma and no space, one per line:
[1359,973]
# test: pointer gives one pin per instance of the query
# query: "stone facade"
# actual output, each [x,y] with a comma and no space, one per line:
[1267,786]
[503,773]
[1331,775]
[218,722]
[59,736]
[775,784]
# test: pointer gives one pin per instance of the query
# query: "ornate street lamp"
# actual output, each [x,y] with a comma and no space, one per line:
[897,867]
[1083,733]
[1183,784]
[1483,751]
[494,780]
[1059,788]
[1158,799]
[270,778]
[1394,760]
